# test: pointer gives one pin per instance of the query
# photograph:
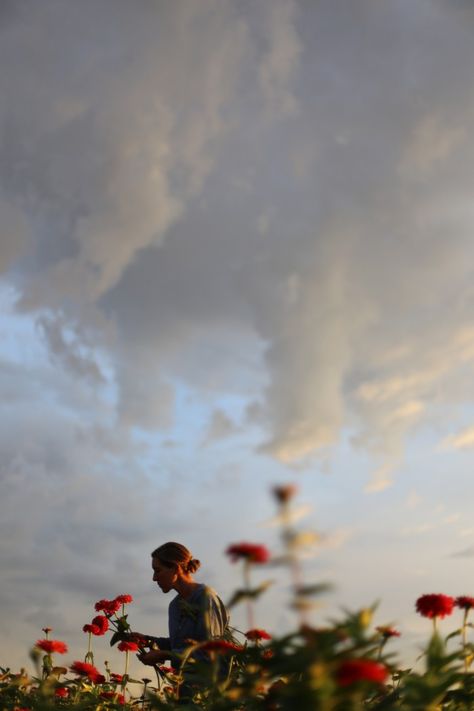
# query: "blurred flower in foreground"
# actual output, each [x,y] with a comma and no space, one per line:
[464,602]
[251,552]
[352,671]
[386,631]
[255,635]
[87,670]
[51,645]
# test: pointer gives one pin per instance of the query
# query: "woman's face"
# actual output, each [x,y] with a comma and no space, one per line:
[163,576]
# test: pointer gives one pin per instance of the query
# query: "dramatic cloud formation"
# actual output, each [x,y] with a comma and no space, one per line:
[222,221]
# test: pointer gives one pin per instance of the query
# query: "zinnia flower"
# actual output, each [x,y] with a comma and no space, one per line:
[464,602]
[102,624]
[255,635]
[51,645]
[221,645]
[127,646]
[386,631]
[435,605]
[284,493]
[351,671]
[107,606]
[116,678]
[124,599]
[92,629]
[88,670]
[252,552]
[62,692]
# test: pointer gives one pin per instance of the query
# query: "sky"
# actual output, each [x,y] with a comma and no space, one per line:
[236,251]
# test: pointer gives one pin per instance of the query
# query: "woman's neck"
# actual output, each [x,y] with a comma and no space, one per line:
[185,588]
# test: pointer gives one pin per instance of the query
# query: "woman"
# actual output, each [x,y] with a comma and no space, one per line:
[196,613]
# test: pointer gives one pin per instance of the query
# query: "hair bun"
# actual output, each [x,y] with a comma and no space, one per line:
[193,565]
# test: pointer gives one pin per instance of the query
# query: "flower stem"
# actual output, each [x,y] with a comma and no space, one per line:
[250,616]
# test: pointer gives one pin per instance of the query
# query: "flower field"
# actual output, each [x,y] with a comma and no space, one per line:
[346,665]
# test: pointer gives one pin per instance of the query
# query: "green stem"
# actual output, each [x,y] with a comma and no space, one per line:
[250,616]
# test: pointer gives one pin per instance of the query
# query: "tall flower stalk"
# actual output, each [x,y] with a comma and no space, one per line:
[251,554]
[466,604]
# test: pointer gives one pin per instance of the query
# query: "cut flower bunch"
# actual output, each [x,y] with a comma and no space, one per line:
[344,665]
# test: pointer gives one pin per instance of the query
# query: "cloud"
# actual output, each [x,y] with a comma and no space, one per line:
[220,426]
[461,440]
[246,221]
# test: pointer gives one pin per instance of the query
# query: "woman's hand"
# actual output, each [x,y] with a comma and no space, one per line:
[155,656]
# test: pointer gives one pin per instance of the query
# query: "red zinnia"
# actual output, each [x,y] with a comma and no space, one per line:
[435,605]
[88,670]
[256,635]
[386,631]
[102,623]
[252,552]
[92,629]
[62,692]
[124,599]
[353,670]
[220,645]
[107,606]
[127,646]
[52,645]
[116,678]
[464,602]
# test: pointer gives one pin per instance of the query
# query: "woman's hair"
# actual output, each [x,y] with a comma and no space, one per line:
[173,554]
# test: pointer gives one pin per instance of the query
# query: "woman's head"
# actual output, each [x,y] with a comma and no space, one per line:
[171,561]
